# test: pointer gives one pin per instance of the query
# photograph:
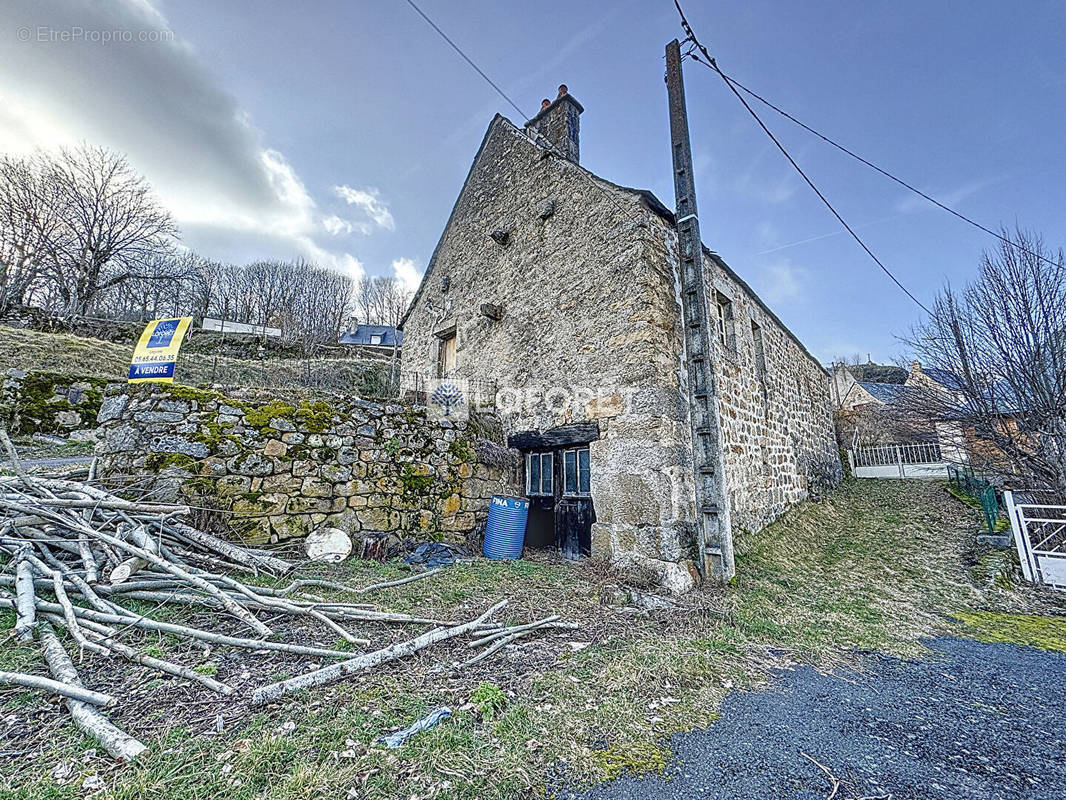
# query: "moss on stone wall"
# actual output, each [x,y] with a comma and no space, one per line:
[461,449]
[157,462]
[40,402]
[191,393]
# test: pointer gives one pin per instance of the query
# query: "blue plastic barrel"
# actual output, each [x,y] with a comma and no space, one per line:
[506,532]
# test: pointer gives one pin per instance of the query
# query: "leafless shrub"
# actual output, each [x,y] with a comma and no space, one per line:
[1003,339]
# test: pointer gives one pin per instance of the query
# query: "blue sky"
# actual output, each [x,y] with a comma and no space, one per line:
[343,130]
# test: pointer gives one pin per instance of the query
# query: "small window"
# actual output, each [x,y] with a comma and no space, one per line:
[446,355]
[576,472]
[375,339]
[539,473]
[723,307]
[760,350]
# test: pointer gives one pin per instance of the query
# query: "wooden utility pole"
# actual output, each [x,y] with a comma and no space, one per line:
[715,538]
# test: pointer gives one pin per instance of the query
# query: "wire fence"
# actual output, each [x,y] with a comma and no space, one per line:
[966,481]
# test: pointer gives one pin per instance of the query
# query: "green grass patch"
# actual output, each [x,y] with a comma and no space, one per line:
[1046,633]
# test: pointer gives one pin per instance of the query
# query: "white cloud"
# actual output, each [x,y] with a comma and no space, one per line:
[407,273]
[911,202]
[782,282]
[335,226]
[370,203]
[155,102]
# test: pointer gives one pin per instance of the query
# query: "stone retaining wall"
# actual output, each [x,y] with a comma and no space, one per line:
[36,401]
[283,468]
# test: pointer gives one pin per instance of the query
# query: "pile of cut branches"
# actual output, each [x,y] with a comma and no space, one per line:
[77,555]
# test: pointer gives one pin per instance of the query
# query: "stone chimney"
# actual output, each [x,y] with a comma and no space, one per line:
[558,123]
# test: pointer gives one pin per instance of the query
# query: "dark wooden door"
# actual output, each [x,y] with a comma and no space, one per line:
[560,507]
[573,526]
[574,513]
[540,529]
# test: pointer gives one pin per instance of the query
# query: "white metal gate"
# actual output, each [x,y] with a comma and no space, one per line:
[1040,536]
[911,460]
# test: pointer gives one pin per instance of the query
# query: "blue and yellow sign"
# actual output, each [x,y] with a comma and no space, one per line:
[156,353]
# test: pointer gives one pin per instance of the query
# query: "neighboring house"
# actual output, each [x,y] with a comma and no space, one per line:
[372,336]
[868,377]
[867,394]
[931,378]
[563,288]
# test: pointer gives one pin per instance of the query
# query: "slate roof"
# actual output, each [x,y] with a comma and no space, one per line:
[946,378]
[363,333]
[887,393]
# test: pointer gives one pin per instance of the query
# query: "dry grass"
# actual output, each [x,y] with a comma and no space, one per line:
[880,565]
[76,355]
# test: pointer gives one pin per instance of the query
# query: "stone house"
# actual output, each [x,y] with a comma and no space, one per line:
[562,288]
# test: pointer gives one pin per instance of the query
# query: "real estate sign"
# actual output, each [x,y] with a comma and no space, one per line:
[156,353]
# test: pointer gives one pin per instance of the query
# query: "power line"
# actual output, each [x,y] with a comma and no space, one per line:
[712,65]
[467,58]
[540,138]
[853,154]
[886,173]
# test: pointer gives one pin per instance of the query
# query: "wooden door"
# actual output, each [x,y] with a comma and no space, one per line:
[574,513]
[540,483]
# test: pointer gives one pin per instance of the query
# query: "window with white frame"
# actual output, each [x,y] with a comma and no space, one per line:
[375,339]
[539,474]
[576,472]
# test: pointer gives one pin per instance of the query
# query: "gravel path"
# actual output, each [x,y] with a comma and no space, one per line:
[52,463]
[981,721]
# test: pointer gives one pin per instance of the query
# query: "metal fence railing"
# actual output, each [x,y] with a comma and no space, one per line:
[885,455]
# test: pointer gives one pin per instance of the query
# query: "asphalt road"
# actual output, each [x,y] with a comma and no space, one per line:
[51,463]
[981,721]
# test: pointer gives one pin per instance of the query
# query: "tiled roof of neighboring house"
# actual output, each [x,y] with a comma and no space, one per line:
[877,373]
[887,393]
[385,336]
[946,378]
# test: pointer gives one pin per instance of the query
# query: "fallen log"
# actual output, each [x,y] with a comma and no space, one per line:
[336,672]
[117,743]
[57,687]
[25,605]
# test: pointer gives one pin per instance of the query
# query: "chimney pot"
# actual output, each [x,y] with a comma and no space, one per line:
[545,103]
[562,89]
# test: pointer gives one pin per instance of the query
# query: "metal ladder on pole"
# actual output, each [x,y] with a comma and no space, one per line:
[715,536]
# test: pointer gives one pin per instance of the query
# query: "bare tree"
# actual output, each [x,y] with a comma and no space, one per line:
[1002,340]
[29,217]
[381,300]
[109,224]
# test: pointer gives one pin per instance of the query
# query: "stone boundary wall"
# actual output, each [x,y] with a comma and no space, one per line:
[36,401]
[277,469]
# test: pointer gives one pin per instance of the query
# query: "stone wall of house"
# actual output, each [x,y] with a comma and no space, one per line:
[277,469]
[774,406]
[36,401]
[590,330]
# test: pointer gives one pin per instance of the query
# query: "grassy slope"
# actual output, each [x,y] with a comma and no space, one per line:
[877,566]
[77,355]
